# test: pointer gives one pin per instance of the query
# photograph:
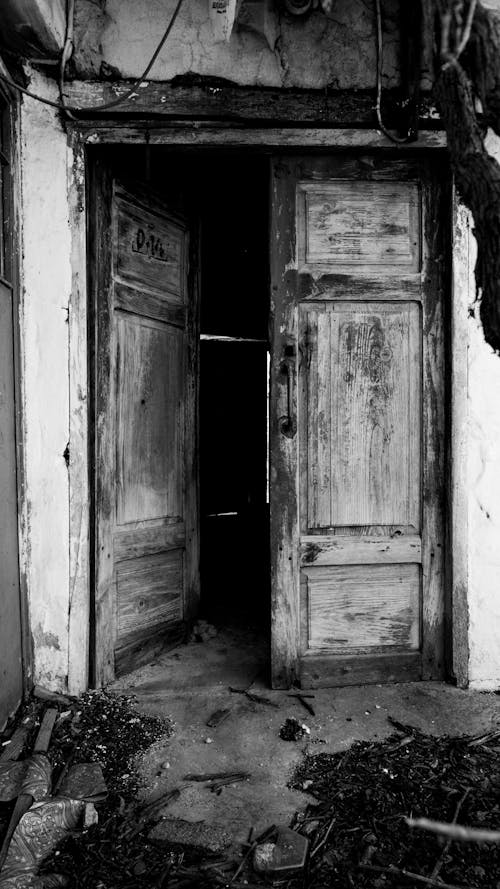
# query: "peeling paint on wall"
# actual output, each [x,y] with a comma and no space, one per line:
[46,283]
[336,50]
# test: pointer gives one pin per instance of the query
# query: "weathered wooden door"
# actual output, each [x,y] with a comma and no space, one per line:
[145,385]
[357,421]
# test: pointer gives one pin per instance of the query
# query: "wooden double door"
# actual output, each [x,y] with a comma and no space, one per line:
[357,421]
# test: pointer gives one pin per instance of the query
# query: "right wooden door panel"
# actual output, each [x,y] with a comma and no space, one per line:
[357,421]
[361,414]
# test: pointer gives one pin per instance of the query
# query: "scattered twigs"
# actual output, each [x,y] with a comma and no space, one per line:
[440,861]
[304,702]
[323,841]
[455,831]
[216,780]
[148,813]
[244,860]
[401,872]
[481,740]
[257,699]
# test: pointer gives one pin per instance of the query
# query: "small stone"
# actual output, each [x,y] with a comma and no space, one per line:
[90,816]
[263,857]
[139,867]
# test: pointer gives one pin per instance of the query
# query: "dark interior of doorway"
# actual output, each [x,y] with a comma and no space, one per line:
[226,195]
[234,508]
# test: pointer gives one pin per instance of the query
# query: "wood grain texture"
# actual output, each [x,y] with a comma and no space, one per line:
[285,604]
[355,608]
[79,615]
[360,549]
[437,204]
[192,438]
[367,447]
[142,376]
[124,132]
[363,414]
[149,419]
[152,305]
[149,539]
[104,622]
[363,224]
[326,671]
[206,99]
[149,595]
[150,250]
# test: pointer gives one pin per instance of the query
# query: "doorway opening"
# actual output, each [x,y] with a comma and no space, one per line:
[189,289]
[234,501]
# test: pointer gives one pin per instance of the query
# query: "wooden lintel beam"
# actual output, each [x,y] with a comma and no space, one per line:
[95,132]
[215,100]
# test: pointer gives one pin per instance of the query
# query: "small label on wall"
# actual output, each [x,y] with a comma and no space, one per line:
[222,16]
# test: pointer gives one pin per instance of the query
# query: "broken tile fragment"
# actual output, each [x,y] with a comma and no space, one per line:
[286,855]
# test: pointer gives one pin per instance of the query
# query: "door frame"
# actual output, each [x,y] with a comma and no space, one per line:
[199,134]
[9,99]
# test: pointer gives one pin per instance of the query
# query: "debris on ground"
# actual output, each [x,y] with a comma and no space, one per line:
[293,730]
[364,796]
[255,698]
[75,751]
[217,717]
[383,814]
[305,703]
[284,856]
[215,781]
[202,631]
[198,836]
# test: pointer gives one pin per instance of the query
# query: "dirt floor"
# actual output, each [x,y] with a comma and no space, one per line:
[202,777]
[191,683]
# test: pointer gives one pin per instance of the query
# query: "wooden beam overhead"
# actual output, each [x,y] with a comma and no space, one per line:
[212,99]
[95,132]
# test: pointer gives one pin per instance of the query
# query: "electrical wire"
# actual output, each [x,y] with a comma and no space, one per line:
[403,140]
[67,52]
[105,106]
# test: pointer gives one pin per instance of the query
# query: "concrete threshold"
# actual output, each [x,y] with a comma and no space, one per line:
[192,682]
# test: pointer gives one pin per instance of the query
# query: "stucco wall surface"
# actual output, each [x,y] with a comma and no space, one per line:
[484,499]
[337,50]
[45,289]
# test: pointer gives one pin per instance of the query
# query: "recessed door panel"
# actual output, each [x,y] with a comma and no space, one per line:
[149,424]
[362,414]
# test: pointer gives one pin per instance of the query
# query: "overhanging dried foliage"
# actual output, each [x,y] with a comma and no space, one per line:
[468,73]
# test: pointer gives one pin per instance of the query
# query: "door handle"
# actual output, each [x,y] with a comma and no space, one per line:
[288,423]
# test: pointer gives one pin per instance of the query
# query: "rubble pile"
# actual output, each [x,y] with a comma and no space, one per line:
[362,797]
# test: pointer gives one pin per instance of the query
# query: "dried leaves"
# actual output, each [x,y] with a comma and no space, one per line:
[365,794]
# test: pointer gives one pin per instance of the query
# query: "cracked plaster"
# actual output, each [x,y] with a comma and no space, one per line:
[312,52]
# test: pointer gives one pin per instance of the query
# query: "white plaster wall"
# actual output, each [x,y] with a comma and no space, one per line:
[315,51]
[45,290]
[484,501]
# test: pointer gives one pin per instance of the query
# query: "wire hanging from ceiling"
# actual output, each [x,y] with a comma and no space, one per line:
[399,140]
[105,106]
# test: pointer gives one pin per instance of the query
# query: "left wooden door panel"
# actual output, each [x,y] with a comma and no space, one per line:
[145,373]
